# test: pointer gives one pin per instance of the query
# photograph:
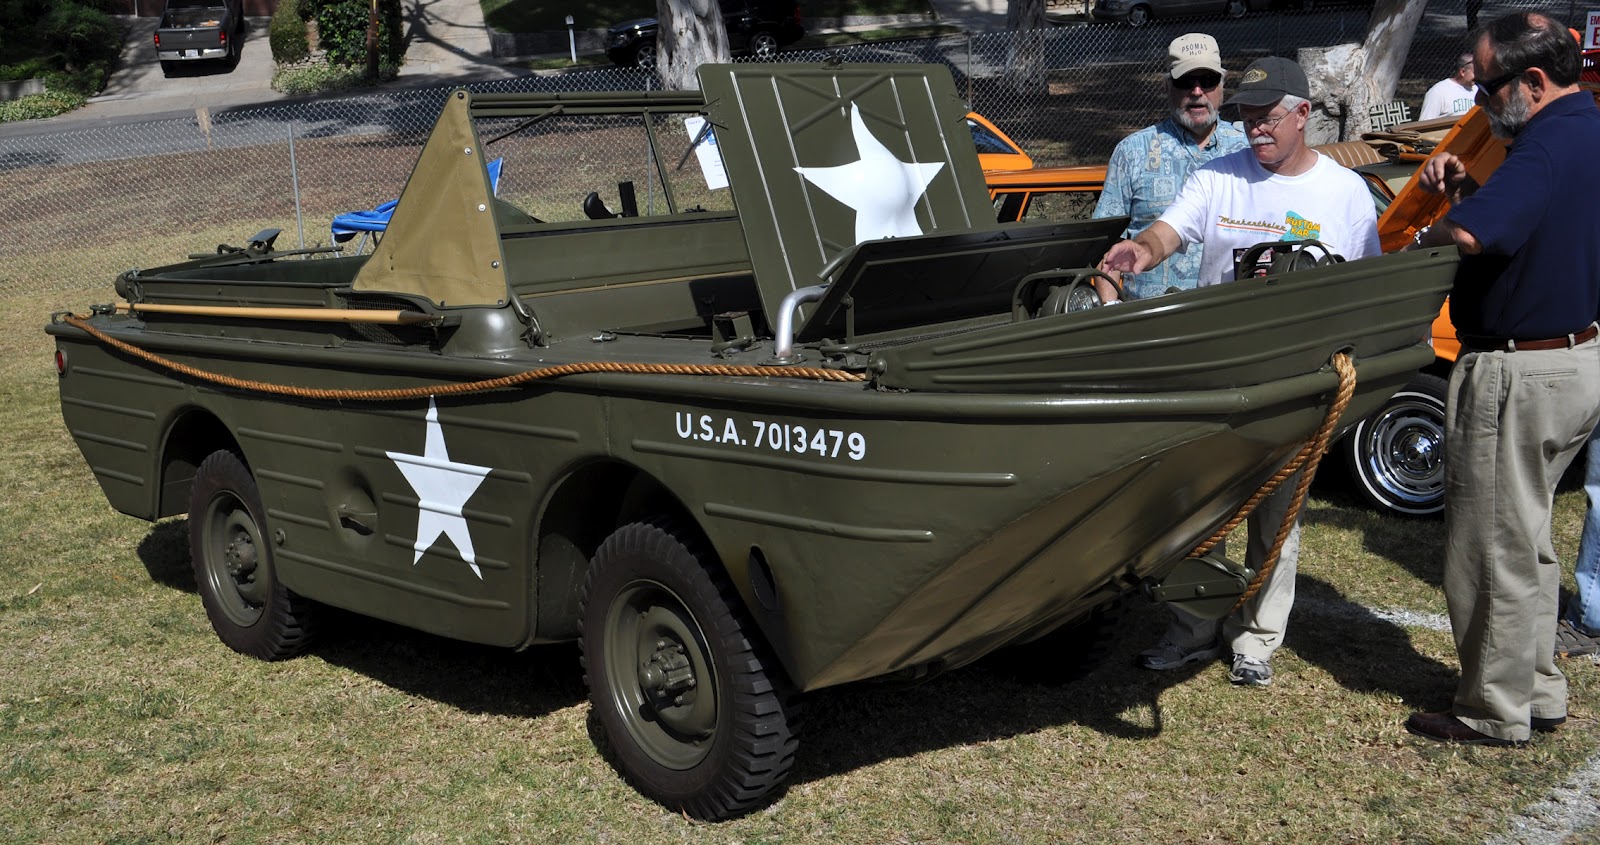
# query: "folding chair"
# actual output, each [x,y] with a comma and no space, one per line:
[375,222]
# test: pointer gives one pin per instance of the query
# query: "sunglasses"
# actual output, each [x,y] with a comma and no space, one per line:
[1490,87]
[1206,81]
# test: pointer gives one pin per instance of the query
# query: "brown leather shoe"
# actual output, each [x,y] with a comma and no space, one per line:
[1445,727]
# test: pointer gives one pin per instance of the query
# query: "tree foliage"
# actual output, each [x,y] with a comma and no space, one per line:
[342,30]
[287,34]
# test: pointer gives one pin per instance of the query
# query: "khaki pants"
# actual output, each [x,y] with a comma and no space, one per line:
[1513,422]
[1256,629]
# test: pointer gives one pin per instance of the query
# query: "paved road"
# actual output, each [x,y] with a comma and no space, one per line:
[140,87]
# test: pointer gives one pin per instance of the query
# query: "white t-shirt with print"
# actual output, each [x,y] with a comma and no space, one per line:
[1233,203]
[1447,97]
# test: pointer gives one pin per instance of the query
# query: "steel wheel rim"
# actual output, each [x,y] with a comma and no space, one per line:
[658,668]
[1403,453]
[231,543]
[1138,16]
[1236,8]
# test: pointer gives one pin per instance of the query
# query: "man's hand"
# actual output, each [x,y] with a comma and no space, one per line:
[1446,174]
[1126,257]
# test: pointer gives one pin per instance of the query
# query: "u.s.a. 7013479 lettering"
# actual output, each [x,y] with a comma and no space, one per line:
[771,435]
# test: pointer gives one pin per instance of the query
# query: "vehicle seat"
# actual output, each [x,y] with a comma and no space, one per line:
[595,209]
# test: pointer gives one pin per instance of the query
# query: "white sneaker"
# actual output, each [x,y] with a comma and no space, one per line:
[1250,671]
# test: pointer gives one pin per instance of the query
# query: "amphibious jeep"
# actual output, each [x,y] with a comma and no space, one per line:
[771,403]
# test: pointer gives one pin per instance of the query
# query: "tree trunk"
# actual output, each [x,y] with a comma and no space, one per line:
[372,44]
[690,34]
[1025,65]
[1348,79]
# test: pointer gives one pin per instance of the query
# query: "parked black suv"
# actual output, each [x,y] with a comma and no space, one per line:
[757,28]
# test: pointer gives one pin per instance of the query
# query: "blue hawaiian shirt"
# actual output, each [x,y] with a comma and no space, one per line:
[1144,175]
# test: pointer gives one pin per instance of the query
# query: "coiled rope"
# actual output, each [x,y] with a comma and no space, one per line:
[484,385]
[1307,459]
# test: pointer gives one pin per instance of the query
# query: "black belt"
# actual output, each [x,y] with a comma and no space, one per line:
[1505,344]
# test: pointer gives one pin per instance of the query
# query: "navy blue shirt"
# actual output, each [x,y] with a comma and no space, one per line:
[1538,219]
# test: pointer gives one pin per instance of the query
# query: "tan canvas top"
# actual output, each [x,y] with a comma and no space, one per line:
[441,242]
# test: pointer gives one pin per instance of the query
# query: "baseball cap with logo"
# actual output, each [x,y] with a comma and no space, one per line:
[1192,52]
[1266,81]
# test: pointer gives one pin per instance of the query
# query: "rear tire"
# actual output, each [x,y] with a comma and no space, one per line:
[229,547]
[1396,456]
[696,717]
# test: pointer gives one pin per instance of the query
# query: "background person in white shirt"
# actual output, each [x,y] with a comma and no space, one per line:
[1278,189]
[1454,95]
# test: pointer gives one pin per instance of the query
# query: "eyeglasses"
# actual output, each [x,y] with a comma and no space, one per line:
[1206,81]
[1490,87]
[1267,123]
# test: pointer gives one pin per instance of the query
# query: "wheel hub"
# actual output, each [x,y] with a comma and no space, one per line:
[1417,452]
[240,555]
[667,674]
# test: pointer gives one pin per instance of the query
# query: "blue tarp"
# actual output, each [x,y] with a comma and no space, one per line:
[352,223]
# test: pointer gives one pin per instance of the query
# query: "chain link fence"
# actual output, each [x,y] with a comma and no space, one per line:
[79,206]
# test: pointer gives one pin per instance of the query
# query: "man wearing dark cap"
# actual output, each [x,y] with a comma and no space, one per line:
[1525,392]
[1278,189]
[1148,167]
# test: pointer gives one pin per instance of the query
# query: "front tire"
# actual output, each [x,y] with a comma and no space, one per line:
[1396,456]
[695,715]
[645,58]
[1138,16]
[231,552]
[1236,8]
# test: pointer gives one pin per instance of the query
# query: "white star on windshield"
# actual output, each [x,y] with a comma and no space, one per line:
[443,488]
[882,189]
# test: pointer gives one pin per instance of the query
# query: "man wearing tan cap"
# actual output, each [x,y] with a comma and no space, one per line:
[1278,189]
[1149,166]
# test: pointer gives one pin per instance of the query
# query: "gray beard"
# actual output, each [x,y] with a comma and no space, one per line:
[1181,115]
[1513,120]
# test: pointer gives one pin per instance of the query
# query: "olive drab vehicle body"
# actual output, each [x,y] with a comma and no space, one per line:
[964,462]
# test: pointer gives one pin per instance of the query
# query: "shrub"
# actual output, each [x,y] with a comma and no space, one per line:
[342,30]
[26,69]
[287,34]
[320,78]
[82,35]
[36,106]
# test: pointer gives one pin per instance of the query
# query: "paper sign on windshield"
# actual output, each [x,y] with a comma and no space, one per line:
[710,157]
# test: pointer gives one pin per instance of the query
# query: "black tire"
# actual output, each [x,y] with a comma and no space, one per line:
[645,56]
[231,551]
[167,68]
[1139,15]
[764,46]
[696,715]
[1236,8]
[1396,456]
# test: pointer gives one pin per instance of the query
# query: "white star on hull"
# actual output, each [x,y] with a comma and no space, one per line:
[443,487]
